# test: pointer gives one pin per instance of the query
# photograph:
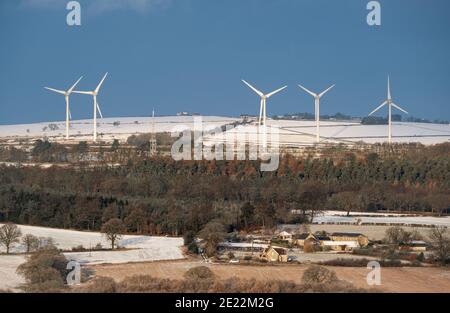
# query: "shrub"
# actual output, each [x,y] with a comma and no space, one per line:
[146,283]
[420,257]
[199,273]
[44,271]
[364,262]
[316,274]
[193,248]
[99,285]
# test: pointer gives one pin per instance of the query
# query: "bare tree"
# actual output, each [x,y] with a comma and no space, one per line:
[113,230]
[30,242]
[440,240]
[439,203]
[213,233]
[9,235]
[397,235]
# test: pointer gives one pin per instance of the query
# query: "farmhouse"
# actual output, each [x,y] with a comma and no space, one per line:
[335,241]
[274,254]
[415,246]
[242,246]
[340,245]
[284,235]
[361,239]
[309,237]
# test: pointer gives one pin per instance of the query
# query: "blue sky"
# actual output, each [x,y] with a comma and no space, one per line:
[190,55]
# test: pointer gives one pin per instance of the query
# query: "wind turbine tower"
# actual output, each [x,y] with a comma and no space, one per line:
[262,105]
[153,151]
[94,94]
[317,107]
[66,96]
[390,104]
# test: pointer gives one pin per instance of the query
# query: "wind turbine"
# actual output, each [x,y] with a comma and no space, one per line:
[390,104]
[96,106]
[262,106]
[317,107]
[66,94]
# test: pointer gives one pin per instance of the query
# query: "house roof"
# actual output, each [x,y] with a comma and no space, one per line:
[302,236]
[415,243]
[346,234]
[284,233]
[280,251]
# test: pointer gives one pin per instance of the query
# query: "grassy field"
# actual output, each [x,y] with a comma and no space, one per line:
[407,279]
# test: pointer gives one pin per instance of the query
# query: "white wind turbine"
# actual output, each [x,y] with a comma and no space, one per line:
[96,106]
[262,106]
[317,107]
[66,94]
[390,104]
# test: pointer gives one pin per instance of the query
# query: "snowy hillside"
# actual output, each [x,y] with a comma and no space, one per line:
[140,248]
[292,133]
[336,217]
[108,128]
[302,133]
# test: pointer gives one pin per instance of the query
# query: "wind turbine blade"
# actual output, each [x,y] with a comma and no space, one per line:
[259,93]
[276,91]
[308,91]
[84,92]
[56,90]
[382,105]
[399,108]
[101,83]
[70,115]
[99,111]
[74,85]
[325,91]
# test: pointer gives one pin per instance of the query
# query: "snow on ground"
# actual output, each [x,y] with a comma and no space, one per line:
[342,213]
[138,249]
[335,217]
[141,248]
[110,128]
[303,133]
[292,133]
[9,279]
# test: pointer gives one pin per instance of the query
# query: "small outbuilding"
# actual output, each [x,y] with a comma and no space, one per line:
[361,239]
[274,254]
[284,235]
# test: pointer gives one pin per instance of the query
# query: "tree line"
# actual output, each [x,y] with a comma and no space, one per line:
[162,196]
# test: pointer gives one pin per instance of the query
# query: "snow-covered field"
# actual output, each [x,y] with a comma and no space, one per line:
[380,218]
[9,279]
[139,249]
[110,128]
[292,133]
[302,133]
